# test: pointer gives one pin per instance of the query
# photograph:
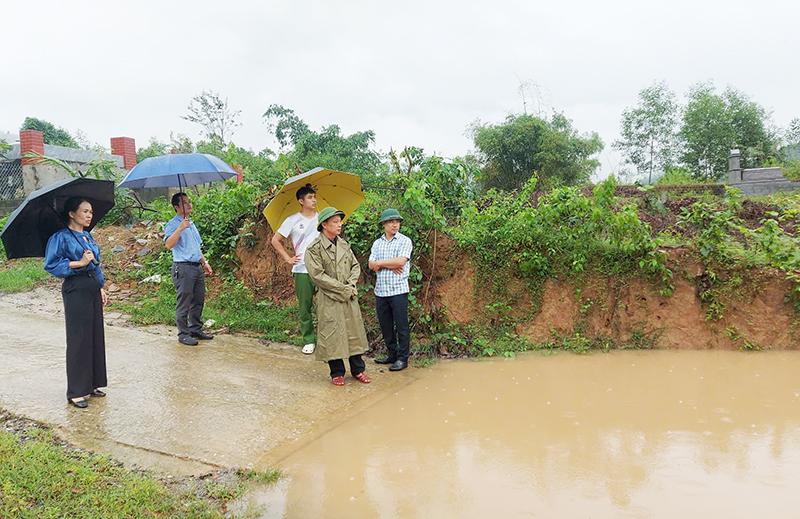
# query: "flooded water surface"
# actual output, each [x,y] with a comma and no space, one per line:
[630,434]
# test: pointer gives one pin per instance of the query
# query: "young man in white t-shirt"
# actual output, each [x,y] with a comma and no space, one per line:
[301,228]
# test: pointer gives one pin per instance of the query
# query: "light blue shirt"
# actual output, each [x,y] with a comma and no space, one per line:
[189,242]
[67,245]
[388,283]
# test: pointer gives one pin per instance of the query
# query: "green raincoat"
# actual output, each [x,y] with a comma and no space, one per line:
[334,270]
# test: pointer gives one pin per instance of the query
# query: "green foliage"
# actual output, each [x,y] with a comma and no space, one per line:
[41,479]
[713,124]
[567,233]
[748,345]
[712,223]
[52,134]
[4,148]
[153,149]
[791,136]
[260,476]
[235,307]
[728,246]
[676,176]
[220,214]
[512,151]
[21,275]
[791,170]
[327,148]
[649,131]
[257,168]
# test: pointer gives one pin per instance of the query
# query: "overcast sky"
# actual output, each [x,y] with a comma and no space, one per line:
[416,72]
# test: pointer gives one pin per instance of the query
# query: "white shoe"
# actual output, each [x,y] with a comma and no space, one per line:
[308,349]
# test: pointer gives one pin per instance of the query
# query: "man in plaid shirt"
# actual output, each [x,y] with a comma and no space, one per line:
[390,259]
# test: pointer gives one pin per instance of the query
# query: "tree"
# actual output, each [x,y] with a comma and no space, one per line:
[791,135]
[714,124]
[52,134]
[4,147]
[285,125]
[510,152]
[306,148]
[154,149]
[649,131]
[212,112]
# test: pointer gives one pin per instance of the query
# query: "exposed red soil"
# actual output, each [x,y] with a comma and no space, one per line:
[262,269]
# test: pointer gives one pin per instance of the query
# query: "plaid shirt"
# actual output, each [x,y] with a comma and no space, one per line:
[388,283]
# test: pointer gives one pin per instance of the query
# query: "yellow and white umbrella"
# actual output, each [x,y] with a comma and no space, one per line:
[334,189]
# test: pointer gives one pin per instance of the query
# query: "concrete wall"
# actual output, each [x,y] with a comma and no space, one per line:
[757,181]
[71,155]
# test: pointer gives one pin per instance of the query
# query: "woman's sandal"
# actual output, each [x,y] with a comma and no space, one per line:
[337,381]
[80,403]
[363,378]
[96,392]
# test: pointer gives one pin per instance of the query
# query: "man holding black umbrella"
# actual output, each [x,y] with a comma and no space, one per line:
[189,268]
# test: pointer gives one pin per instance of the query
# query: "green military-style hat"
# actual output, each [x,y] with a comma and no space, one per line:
[390,214]
[328,212]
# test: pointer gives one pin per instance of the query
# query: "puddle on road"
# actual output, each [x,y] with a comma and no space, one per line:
[628,434]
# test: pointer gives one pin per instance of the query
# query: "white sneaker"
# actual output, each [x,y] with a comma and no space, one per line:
[308,349]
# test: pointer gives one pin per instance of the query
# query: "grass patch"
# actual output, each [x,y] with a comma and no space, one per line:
[267,477]
[41,479]
[21,275]
[234,307]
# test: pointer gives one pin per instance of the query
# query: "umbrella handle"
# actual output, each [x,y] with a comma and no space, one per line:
[94,261]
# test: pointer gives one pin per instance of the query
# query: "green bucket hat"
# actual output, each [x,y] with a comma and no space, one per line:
[390,214]
[328,212]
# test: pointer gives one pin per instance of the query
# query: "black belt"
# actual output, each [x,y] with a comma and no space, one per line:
[192,263]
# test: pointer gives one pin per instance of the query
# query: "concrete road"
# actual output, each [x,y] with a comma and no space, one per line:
[230,402]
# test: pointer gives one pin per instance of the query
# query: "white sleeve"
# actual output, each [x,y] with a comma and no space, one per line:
[372,253]
[286,227]
[406,248]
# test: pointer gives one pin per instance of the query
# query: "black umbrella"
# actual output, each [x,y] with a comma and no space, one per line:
[39,216]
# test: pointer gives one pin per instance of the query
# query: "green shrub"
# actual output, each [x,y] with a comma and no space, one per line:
[219,215]
[566,233]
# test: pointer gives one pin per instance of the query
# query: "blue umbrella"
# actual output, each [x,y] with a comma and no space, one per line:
[177,170]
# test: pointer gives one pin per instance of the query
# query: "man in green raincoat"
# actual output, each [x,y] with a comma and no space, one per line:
[334,270]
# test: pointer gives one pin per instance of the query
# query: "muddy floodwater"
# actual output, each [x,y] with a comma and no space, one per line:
[628,434]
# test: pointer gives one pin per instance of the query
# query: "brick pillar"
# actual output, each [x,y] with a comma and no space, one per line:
[239,172]
[125,147]
[30,141]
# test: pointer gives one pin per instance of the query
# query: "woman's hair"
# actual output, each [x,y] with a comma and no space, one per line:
[72,205]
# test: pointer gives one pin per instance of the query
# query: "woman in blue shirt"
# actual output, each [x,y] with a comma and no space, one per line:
[72,254]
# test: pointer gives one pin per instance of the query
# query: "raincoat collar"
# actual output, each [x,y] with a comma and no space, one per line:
[327,242]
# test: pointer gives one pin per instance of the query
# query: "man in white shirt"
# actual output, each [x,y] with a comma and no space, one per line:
[301,228]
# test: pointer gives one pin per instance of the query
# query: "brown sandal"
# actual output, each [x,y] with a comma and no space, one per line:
[337,381]
[363,378]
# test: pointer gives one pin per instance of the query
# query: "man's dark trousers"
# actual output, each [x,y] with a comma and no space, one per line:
[393,317]
[190,286]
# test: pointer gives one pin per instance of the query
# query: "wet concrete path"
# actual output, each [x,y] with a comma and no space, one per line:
[228,402]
